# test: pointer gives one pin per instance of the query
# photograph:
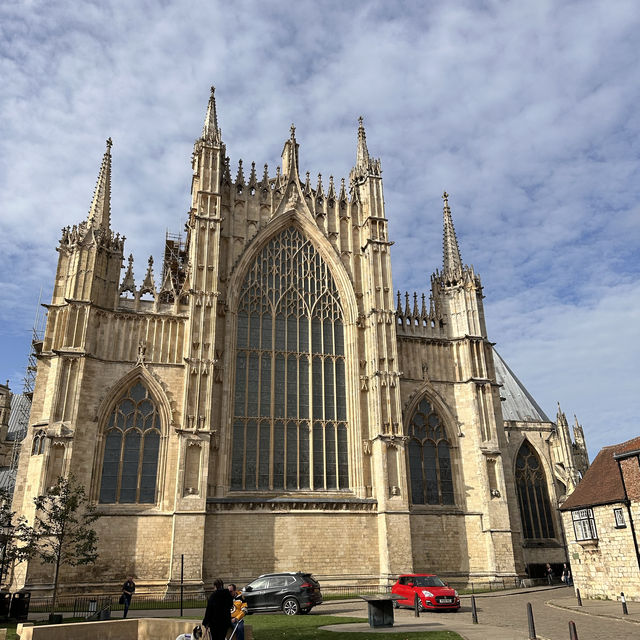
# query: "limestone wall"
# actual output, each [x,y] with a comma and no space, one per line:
[609,565]
[243,545]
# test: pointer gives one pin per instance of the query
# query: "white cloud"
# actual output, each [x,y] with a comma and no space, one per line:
[526,113]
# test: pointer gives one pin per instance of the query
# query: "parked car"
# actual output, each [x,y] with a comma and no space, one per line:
[431,591]
[290,592]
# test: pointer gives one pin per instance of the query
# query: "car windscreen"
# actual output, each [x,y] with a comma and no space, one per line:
[428,581]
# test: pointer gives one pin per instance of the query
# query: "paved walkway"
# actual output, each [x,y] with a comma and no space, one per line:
[502,615]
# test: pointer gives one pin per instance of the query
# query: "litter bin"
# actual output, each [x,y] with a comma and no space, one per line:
[20,605]
[5,605]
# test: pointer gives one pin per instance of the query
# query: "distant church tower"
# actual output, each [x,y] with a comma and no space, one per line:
[268,383]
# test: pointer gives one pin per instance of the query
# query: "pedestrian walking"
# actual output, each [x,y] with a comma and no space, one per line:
[217,616]
[549,572]
[566,575]
[128,589]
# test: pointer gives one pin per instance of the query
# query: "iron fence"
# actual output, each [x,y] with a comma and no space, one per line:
[85,606]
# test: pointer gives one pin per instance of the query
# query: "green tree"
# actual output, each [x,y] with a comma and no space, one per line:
[61,533]
[8,547]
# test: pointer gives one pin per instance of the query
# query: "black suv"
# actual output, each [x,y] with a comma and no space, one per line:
[292,592]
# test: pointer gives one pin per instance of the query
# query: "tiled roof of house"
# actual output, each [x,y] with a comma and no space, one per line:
[601,483]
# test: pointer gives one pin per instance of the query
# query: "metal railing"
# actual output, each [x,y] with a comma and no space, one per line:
[84,606]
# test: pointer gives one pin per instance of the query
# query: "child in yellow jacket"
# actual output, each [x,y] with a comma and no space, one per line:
[238,612]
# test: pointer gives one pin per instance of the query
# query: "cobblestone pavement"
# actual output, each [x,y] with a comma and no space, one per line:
[503,616]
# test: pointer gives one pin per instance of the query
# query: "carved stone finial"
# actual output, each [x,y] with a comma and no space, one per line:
[109,142]
[293,131]
[445,196]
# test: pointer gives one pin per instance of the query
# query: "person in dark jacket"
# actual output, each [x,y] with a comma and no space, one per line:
[217,616]
[128,589]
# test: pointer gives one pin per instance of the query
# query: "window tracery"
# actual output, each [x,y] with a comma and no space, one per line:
[131,449]
[429,454]
[39,440]
[290,417]
[533,497]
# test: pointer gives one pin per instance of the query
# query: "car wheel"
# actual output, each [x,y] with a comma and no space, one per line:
[290,606]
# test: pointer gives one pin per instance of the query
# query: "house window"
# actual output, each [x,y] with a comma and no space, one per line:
[290,407]
[429,458]
[132,444]
[533,497]
[584,524]
[618,514]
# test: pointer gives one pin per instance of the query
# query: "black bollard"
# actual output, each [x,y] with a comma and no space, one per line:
[532,626]
[573,633]
[579,598]
[625,611]
[474,611]
[416,606]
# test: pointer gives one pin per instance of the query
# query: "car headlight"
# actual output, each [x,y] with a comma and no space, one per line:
[427,594]
[455,593]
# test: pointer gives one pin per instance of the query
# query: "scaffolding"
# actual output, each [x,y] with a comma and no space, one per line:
[18,429]
[175,262]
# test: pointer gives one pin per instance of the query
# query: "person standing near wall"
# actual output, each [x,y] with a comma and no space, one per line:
[128,589]
[549,573]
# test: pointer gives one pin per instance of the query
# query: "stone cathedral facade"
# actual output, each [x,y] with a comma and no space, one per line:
[269,386]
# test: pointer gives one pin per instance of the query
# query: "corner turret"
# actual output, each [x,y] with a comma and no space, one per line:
[457,288]
[90,253]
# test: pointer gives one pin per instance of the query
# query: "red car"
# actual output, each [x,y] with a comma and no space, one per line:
[431,591]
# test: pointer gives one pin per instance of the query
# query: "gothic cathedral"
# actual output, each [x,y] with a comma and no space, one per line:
[270,387]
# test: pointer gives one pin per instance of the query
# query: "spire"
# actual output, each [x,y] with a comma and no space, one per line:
[290,154]
[362,153]
[100,209]
[561,418]
[148,285]
[365,164]
[210,131]
[129,283]
[253,179]
[451,252]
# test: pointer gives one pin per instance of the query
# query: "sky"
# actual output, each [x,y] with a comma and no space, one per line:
[525,113]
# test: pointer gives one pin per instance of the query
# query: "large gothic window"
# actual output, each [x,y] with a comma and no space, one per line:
[290,417]
[132,443]
[533,498]
[429,458]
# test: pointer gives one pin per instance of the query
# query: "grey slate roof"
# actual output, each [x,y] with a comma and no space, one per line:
[19,416]
[518,404]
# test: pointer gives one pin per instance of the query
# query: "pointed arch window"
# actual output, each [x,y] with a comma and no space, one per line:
[429,452]
[131,448]
[533,497]
[290,410]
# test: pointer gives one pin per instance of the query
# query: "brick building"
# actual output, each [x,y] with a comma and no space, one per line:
[601,519]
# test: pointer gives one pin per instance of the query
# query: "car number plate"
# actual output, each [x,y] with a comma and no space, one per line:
[446,600]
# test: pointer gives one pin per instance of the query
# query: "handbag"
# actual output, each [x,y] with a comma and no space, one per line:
[122,599]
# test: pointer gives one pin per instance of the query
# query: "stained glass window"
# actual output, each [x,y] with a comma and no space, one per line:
[131,449]
[290,422]
[533,498]
[429,454]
